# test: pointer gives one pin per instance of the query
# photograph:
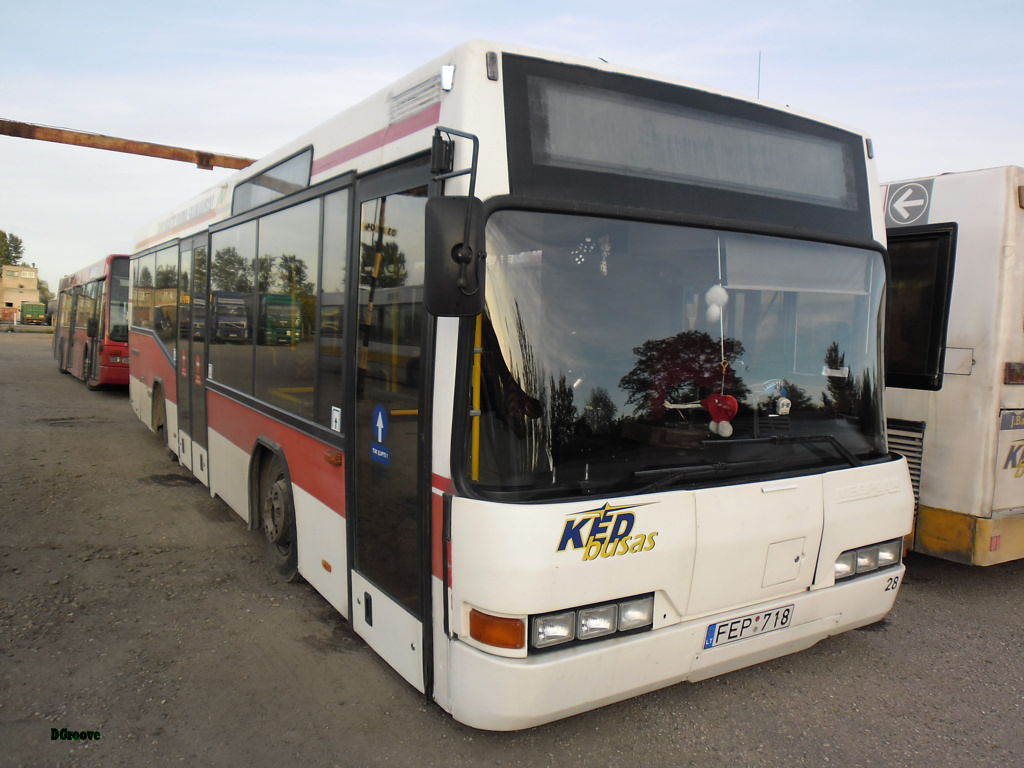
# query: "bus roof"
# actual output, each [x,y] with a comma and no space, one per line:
[393,124]
[92,272]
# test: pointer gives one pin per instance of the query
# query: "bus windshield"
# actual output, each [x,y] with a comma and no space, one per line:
[628,356]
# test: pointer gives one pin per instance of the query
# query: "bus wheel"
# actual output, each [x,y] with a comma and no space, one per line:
[277,517]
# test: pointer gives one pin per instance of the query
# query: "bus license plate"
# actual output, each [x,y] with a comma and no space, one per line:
[741,628]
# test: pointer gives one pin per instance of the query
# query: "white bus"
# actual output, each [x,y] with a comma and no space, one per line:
[955,358]
[593,401]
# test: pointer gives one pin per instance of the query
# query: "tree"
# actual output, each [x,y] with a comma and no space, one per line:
[841,390]
[12,250]
[563,416]
[265,273]
[44,291]
[167,276]
[393,272]
[293,276]
[680,369]
[599,411]
[231,272]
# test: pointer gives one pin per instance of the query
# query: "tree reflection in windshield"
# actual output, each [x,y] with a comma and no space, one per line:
[681,369]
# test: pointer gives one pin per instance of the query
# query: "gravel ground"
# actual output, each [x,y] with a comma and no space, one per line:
[134,605]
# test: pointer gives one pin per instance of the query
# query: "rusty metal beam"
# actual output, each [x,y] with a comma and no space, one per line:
[204,160]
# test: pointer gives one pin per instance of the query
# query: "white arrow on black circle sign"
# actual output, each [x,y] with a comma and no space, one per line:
[905,201]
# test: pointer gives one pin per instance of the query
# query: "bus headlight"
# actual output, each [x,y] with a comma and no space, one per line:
[635,614]
[846,565]
[854,562]
[597,622]
[592,622]
[553,629]
[890,553]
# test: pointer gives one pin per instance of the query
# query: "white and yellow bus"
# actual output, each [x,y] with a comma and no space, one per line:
[593,400]
[955,358]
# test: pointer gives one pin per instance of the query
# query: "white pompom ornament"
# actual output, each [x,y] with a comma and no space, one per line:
[724,429]
[716,298]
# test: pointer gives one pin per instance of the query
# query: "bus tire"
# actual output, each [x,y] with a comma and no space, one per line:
[277,519]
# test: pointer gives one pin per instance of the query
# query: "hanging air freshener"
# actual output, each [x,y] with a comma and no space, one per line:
[720,406]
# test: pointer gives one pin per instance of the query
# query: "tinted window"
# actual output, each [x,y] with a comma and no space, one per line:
[283,179]
[143,269]
[229,317]
[119,300]
[921,266]
[331,367]
[286,316]
[165,296]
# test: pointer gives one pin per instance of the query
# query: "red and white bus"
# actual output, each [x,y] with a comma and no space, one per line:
[584,396]
[90,336]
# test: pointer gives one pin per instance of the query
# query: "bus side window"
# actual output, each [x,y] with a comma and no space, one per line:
[331,372]
[285,307]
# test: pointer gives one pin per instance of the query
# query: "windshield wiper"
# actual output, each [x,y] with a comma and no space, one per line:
[673,475]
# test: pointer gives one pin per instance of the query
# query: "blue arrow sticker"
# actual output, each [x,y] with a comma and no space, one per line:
[379,425]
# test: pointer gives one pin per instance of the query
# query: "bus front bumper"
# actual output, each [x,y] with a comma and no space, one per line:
[502,694]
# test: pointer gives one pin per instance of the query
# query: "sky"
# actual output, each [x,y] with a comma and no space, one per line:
[937,85]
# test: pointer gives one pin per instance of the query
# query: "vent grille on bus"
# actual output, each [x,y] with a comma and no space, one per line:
[907,438]
[409,102]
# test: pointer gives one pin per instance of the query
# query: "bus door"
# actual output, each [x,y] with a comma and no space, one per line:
[389,495]
[68,358]
[91,367]
[191,358]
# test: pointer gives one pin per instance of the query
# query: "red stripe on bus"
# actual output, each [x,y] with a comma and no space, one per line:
[305,454]
[422,119]
[148,363]
[437,535]
[441,485]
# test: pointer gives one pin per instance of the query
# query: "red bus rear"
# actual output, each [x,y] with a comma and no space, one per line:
[90,338]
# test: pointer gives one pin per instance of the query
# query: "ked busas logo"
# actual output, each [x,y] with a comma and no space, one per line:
[605,532]
[1015,458]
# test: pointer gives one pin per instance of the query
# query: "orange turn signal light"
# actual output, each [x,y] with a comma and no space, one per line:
[497,631]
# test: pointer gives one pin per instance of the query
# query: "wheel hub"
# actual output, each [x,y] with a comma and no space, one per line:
[274,513]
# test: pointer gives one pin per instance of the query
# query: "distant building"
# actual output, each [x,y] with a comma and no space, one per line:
[18,283]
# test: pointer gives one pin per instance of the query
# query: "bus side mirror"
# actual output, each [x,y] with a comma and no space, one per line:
[454,274]
[92,327]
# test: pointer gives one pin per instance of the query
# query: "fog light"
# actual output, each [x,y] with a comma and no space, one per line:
[634,614]
[596,622]
[553,629]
